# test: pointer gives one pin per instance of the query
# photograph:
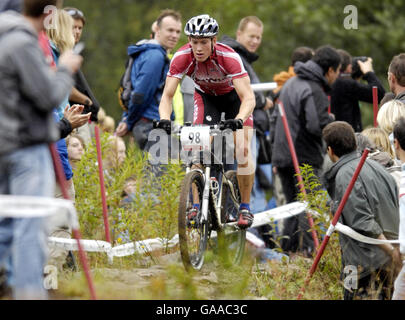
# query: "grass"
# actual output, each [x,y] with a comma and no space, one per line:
[153,214]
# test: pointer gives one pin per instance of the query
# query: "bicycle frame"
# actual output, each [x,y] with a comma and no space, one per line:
[207,193]
[205,170]
[217,199]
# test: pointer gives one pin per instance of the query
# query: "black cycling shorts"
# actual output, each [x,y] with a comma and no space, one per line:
[208,108]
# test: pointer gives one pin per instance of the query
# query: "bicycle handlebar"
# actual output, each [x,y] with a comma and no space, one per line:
[177,129]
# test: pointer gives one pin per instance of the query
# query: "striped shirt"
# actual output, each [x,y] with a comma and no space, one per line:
[213,76]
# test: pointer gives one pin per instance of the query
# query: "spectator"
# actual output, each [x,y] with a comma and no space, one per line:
[75,147]
[399,143]
[129,191]
[302,54]
[387,97]
[378,154]
[153,29]
[248,40]
[389,113]
[72,117]
[108,125]
[82,93]
[380,139]
[371,210]
[26,126]
[133,198]
[115,154]
[347,91]
[148,77]
[61,39]
[15,5]
[396,77]
[306,107]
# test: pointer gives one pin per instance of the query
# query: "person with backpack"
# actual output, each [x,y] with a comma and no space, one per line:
[247,42]
[144,79]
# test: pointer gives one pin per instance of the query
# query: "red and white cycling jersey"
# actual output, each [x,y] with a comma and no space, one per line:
[213,76]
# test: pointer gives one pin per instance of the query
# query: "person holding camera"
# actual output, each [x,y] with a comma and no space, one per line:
[347,90]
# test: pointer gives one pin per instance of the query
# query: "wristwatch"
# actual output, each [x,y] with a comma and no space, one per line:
[87,103]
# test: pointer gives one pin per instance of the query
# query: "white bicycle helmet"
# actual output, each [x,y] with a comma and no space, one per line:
[201,26]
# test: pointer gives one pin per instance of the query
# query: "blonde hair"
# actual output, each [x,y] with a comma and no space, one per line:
[380,138]
[110,155]
[101,115]
[62,34]
[245,21]
[108,124]
[390,112]
[78,137]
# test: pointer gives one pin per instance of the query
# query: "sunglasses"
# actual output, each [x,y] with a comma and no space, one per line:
[75,12]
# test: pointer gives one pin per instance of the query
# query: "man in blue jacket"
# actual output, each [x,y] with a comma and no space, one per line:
[148,77]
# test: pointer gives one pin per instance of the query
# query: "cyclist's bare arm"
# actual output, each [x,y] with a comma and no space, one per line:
[165,106]
[246,96]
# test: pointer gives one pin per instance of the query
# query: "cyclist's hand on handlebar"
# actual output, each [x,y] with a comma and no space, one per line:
[233,124]
[164,124]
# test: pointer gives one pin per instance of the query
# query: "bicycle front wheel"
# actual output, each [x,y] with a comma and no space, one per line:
[193,234]
[231,239]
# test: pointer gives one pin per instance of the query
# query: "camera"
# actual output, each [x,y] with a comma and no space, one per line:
[356,71]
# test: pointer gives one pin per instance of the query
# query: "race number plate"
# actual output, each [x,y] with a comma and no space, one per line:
[195,138]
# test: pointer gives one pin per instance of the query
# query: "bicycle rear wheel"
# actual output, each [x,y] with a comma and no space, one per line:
[193,235]
[231,239]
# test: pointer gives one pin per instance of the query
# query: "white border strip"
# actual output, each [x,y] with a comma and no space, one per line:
[359,237]
[266,86]
[28,207]
[12,206]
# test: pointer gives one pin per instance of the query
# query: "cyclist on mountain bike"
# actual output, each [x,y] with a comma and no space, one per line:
[221,85]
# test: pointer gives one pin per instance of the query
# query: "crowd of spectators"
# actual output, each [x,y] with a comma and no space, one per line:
[320,93]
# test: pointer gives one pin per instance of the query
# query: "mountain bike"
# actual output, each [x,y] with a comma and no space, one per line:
[212,195]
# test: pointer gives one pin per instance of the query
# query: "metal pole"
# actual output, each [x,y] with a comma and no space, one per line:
[375,105]
[297,170]
[76,233]
[102,184]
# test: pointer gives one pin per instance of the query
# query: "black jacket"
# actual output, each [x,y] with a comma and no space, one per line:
[306,107]
[65,128]
[401,97]
[82,86]
[261,119]
[346,94]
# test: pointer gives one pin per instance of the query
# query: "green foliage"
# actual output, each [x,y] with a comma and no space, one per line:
[151,212]
[317,200]
[114,24]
